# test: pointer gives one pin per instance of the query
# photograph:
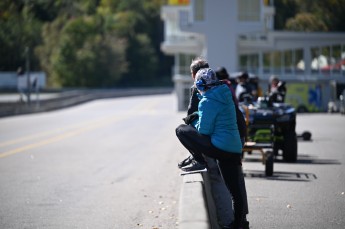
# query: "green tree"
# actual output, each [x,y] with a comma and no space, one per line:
[284,9]
[87,56]
[310,15]
[306,22]
[48,51]
[136,21]
[125,34]
[332,13]
[19,29]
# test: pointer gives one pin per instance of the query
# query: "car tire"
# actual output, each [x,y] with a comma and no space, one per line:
[290,147]
[302,109]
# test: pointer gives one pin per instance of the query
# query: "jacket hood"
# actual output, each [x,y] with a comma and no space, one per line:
[219,93]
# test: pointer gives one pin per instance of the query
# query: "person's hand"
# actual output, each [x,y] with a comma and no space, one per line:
[190,118]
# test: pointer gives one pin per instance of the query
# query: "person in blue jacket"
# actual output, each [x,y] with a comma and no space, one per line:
[214,133]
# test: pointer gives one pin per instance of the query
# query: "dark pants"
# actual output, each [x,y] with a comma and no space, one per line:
[234,180]
[198,144]
[229,165]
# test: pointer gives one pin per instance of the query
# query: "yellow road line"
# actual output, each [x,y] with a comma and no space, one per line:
[58,137]
[33,136]
[77,129]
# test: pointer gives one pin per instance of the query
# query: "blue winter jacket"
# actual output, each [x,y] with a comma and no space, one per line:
[217,118]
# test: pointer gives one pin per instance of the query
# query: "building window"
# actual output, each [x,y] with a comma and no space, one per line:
[249,10]
[320,56]
[288,61]
[336,58]
[299,61]
[199,7]
[276,62]
[249,63]
[266,57]
[283,62]
[327,60]
[184,62]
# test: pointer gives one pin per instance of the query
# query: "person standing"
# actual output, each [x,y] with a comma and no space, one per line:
[277,90]
[222,75]
[243,89]
[21,84]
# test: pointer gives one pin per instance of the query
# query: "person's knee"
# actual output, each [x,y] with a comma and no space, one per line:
[179,130]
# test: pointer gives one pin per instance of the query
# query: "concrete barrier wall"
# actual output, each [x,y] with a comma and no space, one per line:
[205,201]
[193,209]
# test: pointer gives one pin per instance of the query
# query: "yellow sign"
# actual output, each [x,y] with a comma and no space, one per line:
[178,2]
[305,97]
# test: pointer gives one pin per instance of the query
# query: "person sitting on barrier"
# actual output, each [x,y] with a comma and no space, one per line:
[214,133]
[276,90]
[197,64]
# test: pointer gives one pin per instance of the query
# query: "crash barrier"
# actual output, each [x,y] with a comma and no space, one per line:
[204,200]
[193,207]
[65,99]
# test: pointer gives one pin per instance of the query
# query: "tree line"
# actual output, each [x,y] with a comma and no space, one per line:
[310,15]
[85,43]
[107,43]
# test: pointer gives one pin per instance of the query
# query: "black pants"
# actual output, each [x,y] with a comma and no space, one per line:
[229,164]
[198,144]
[234,180]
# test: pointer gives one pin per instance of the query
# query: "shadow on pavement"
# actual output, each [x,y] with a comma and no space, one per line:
[307,159]
[302,159]
[286,176]
[281,176]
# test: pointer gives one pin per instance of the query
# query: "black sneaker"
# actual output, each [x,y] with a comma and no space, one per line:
[186,161]
[245,224]
[194,166]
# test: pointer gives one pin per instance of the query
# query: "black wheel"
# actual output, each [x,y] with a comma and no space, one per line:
[306,135]
[290,147]
[269,163]
[302,109]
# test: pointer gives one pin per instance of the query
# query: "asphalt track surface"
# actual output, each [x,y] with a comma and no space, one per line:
[111,163]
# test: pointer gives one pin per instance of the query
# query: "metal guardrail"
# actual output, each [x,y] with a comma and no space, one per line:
[74,97]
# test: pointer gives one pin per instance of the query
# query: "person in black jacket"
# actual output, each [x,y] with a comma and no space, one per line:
[197,64]
[276,90]
[243,89]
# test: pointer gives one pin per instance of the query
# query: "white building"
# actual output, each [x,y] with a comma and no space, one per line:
[239,35]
